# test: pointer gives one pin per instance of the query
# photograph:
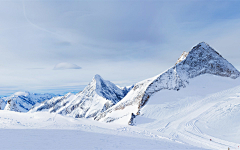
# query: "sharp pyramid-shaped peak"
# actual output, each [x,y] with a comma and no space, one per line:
[105,89]
[204,59]
[204,45]
[204,48]
[98,82]
[98,77]
[97,97]
[201,47]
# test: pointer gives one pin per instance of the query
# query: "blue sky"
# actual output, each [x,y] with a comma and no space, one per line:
[123,41]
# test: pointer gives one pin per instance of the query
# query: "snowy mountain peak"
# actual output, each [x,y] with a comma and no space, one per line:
[202,59]
[23,101]
[200,47]
[98,77]
[97,97]
[204,45]
[105,89]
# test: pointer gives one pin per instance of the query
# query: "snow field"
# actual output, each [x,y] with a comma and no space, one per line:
[197,113]
[42,130]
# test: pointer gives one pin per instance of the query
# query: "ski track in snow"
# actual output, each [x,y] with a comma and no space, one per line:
[43,130]
[169,125]
[188,123]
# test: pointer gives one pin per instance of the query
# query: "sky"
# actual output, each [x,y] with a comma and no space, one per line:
[52,46]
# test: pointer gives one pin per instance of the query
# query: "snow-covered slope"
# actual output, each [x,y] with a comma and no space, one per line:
[23,101]
[97,97]
[196,102]
[202,59]
[208,108]
[47,131]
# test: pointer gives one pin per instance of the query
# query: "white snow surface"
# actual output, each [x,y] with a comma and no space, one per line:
[208,108]
[193,105]
[49,131]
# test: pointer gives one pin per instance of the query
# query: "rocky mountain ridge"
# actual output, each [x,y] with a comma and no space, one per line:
[202,59]
[97,97]
[103,101]
[23,101]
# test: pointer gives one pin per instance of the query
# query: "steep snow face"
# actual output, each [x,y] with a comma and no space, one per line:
[97,97]
[202,59]
[208,108]
[24,101]
[107,89]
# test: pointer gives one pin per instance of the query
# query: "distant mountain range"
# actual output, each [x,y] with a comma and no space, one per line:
[103,101]
[23,101]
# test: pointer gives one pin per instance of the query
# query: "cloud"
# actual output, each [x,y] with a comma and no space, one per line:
[64,66]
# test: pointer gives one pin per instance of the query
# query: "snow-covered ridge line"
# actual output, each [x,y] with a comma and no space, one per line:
[202,59]
[23,101]
[97,97]
[104,101]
